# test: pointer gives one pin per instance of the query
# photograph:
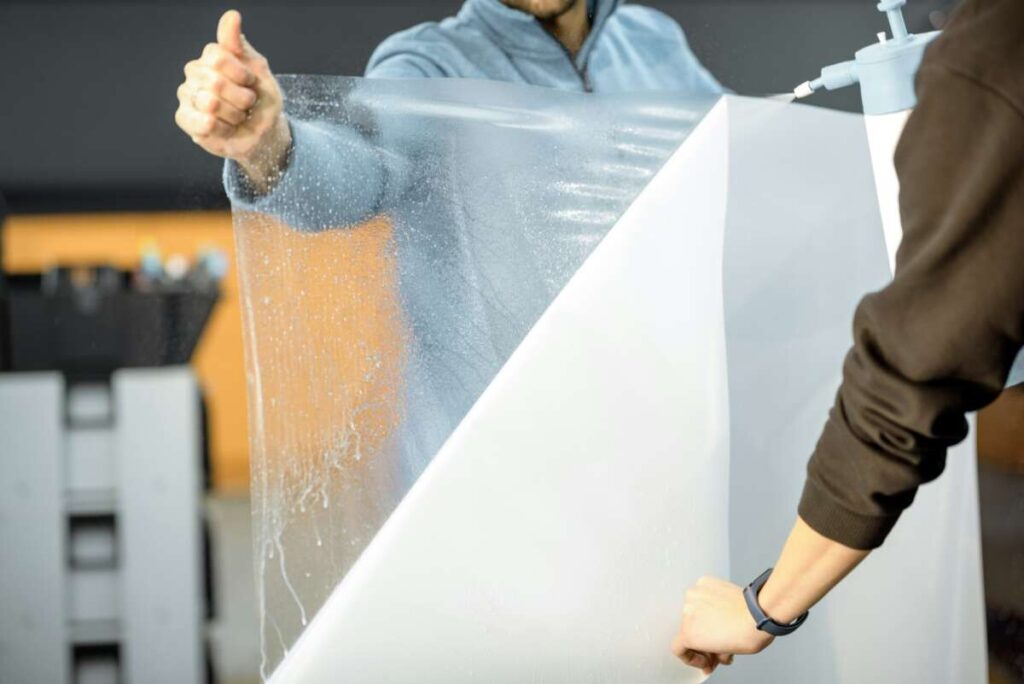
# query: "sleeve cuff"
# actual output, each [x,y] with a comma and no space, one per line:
[236,185]
[240,191]
[333,178]
[830,519]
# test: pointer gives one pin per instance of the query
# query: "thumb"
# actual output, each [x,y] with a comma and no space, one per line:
[229,33]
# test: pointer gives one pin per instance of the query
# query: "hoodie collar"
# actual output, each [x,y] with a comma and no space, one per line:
[518,32]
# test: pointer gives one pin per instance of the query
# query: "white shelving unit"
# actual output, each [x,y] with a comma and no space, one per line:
[101,569]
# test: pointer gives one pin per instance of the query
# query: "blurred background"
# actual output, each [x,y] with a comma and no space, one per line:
[117,251]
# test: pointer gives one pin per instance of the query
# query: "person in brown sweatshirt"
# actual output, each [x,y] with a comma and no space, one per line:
[935,344]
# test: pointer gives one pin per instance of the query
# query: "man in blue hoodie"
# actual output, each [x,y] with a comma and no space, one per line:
[317,174]
[231,106]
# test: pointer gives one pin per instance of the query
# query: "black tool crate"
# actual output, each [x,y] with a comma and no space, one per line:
[89,330]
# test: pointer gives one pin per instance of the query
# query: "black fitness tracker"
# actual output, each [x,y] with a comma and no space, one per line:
[765,623]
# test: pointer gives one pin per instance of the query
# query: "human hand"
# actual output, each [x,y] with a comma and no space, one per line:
[716,626]
[231,105]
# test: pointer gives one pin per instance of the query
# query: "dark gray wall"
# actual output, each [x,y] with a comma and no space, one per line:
[87,91]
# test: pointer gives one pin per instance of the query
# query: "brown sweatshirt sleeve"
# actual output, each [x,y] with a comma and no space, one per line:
[939,341]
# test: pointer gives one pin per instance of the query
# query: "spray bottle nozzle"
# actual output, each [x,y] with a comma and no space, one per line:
[807,88]
[832,77]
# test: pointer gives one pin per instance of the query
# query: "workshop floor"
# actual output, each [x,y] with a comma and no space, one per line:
[233,633]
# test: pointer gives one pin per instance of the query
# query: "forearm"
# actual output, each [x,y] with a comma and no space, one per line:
[809,566]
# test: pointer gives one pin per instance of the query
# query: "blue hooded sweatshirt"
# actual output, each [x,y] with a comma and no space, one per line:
[629,48]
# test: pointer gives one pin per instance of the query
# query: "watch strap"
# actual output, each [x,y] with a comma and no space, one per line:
[765,623]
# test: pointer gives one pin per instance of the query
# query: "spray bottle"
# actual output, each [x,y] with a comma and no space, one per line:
[885,72]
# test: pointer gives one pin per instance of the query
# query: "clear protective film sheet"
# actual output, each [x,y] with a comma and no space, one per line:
[523,364]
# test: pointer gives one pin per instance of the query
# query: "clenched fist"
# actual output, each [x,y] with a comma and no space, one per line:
[716,625]
[231,106]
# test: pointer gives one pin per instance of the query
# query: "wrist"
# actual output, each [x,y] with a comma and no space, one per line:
[762,620]
[759,641]
[776,604]
[268,160]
